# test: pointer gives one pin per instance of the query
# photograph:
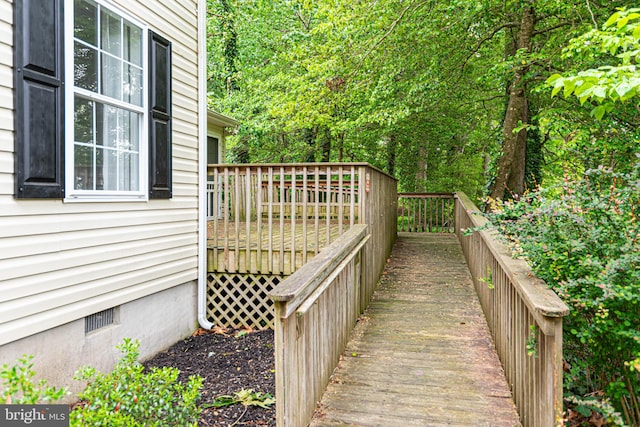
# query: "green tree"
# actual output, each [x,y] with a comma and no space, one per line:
[399,84]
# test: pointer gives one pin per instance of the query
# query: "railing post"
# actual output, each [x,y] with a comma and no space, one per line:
[554,367]
[284,334]
[364,186]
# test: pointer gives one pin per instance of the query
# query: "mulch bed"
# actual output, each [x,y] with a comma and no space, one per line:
[228,361]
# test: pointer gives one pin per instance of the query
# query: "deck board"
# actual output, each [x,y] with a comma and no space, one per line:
[422,355]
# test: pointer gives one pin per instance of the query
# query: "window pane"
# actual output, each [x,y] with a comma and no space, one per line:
[132,44]
[83,170]
[130,131]
[111,33]
[85,66]
[128,171]
[132,85]
[106,169]
[106,125]
[111,77]
[83,120]
[85,21]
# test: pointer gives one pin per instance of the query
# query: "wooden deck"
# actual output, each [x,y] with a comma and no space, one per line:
[422,354]
[246,249]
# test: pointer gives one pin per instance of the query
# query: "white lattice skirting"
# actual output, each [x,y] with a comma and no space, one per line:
[241,300]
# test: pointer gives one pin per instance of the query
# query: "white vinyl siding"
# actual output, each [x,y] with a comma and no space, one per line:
[60,262]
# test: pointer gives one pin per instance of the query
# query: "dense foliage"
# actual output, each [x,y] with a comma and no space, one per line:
[130,396]
[582,235]
[583,239]
[418,88]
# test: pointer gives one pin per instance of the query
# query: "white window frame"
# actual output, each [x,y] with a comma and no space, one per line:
[71,193]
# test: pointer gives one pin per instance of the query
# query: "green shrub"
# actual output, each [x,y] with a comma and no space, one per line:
[18,386]
[129,396]
[584,241]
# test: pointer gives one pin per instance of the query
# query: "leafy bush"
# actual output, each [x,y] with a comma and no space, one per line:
[585,243]
[129,396]
[18,386]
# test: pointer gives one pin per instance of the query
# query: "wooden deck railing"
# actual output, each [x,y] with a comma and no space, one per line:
[316,309]
[524,316]
[425,212]
[271,218]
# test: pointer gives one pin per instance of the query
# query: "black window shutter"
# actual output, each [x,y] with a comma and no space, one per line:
[159,117]
[39,99]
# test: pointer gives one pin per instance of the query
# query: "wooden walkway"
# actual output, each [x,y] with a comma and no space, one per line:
[422,354]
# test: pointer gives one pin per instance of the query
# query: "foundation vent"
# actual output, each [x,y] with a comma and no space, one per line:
[99,320]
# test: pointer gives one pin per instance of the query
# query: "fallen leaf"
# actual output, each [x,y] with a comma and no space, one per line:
[220,330]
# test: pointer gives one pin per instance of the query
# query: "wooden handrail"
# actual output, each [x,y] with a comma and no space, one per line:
[523,314]
[316,309]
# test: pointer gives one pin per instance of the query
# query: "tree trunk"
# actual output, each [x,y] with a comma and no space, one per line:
[392,149]
[511,165]
[515,183]
[340,141]
[421,172]
[326,146]
[309,135]
[227,27]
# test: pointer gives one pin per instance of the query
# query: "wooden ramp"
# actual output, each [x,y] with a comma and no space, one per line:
[422,354]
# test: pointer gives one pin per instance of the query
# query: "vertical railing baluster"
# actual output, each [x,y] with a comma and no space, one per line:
[294,213]
[237,199]
[305,214]
[422,214]
[352,198]
[282,193]
[259,218]
[328,202]
[247,219]
[442,213]
[227,206]
[270,197]
[214,213]
[340,199]
[316,210]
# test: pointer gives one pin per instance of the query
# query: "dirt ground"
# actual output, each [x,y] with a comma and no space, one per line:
[228,362]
